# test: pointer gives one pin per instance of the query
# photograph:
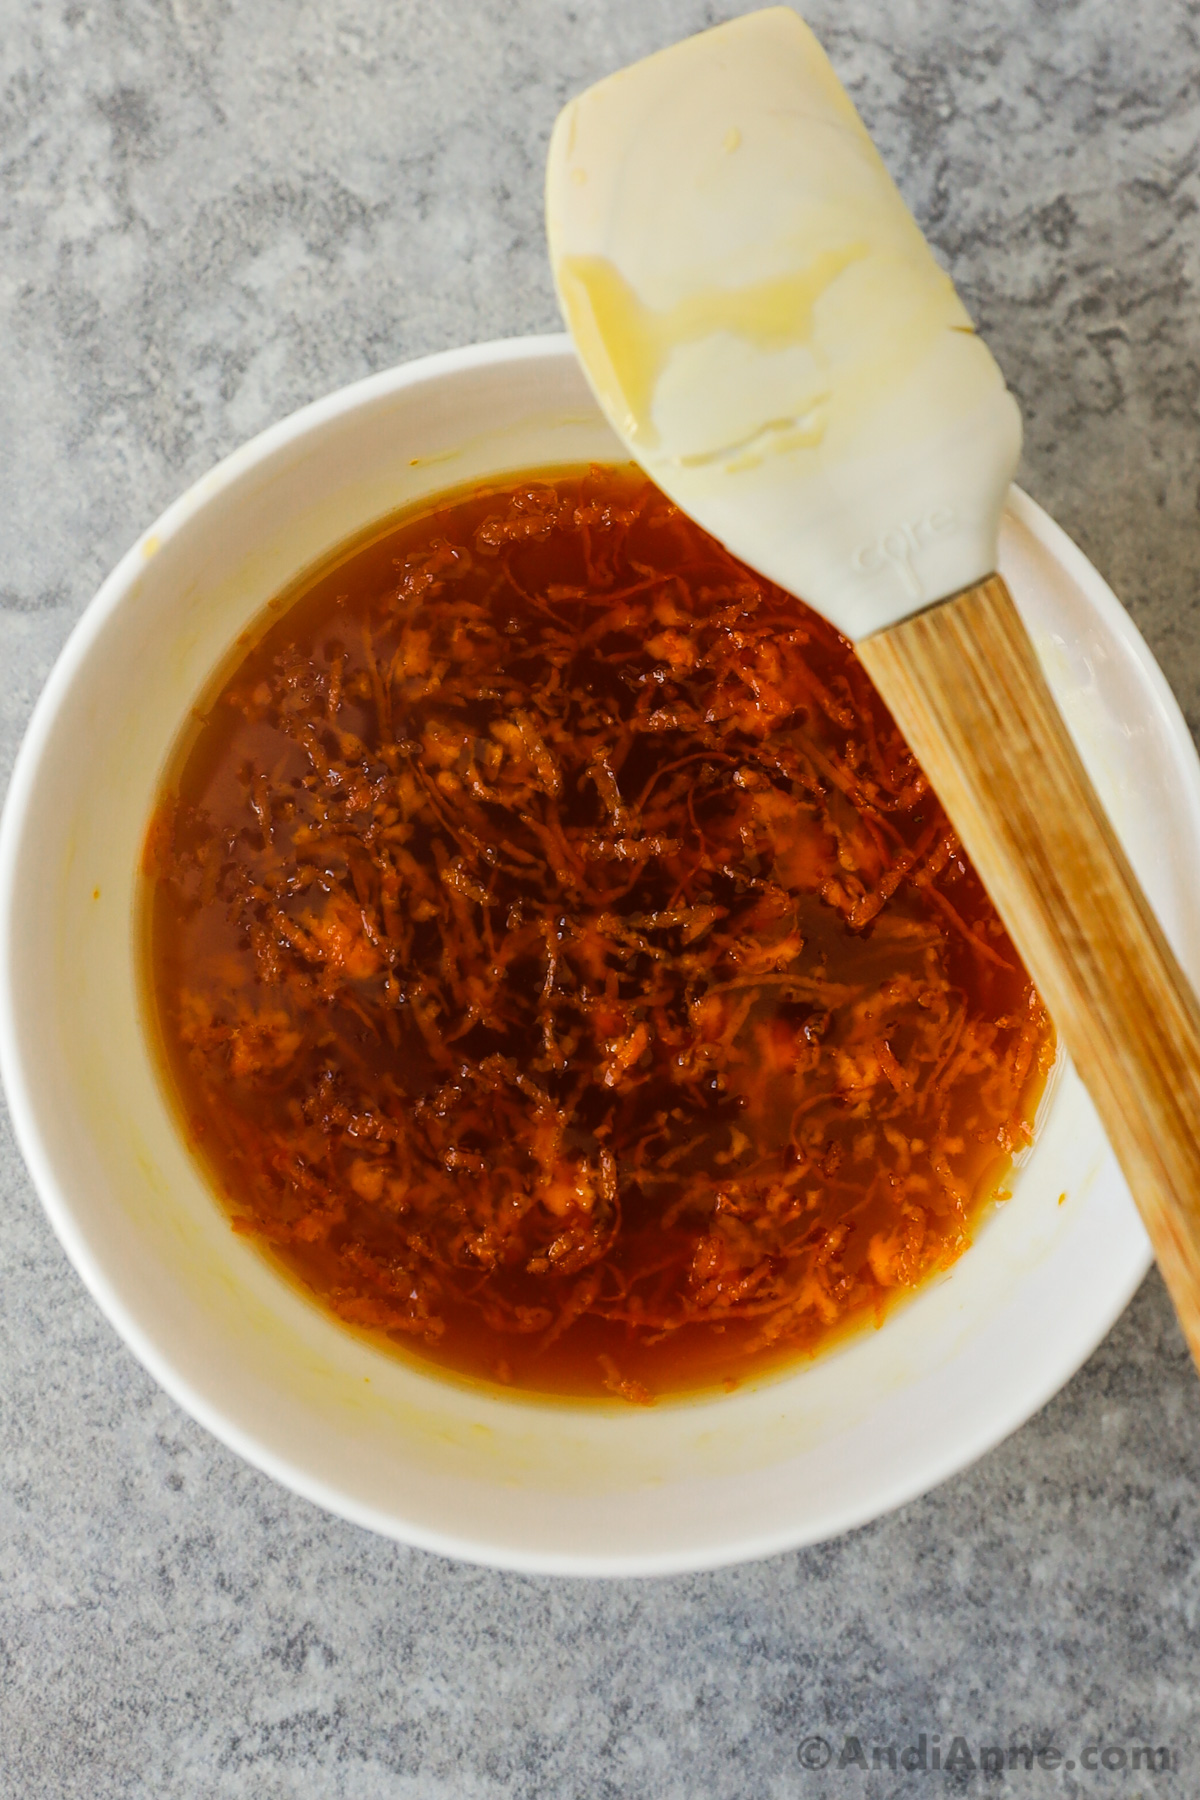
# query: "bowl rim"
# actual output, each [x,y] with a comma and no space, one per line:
[34,1145]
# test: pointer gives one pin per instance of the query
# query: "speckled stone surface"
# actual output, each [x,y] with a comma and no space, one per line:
[211,213]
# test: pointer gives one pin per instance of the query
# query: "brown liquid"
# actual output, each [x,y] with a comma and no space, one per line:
[562,965]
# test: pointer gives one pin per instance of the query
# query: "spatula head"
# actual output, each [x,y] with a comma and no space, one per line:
[767,329]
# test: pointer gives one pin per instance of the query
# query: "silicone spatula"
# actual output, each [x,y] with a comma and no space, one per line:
[767,330]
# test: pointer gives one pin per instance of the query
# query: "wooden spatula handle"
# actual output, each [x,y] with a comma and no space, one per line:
[965,687]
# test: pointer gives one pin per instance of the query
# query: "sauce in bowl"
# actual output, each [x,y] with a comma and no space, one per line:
[561,964]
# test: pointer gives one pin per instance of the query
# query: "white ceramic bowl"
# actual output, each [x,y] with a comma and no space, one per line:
[535,1486]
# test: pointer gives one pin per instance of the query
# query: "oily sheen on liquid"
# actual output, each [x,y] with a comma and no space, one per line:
[561,965]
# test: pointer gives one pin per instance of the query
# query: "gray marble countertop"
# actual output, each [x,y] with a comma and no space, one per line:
[210,214]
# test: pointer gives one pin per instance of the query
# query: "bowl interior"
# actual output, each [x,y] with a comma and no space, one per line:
[534,1485]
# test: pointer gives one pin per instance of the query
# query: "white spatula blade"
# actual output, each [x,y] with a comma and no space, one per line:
[767,329]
